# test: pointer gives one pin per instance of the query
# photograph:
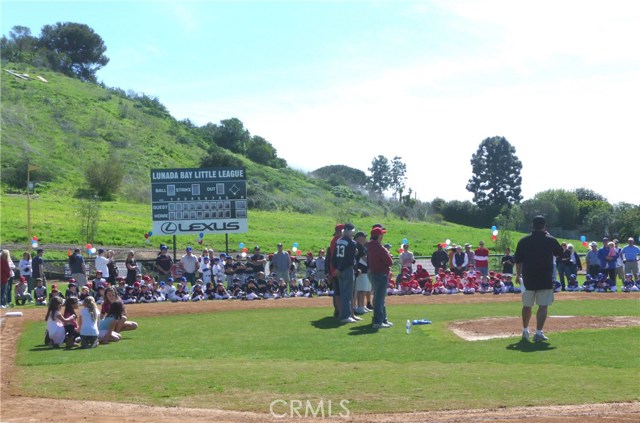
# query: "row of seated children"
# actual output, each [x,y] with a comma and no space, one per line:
[602,283]
[447,282]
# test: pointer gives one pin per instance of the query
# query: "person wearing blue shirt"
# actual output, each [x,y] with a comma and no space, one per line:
[607,260]
[630,254]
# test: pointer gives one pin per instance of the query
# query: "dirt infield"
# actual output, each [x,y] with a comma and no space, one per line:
[17,408]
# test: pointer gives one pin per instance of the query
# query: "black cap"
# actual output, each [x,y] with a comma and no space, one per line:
[539,221]
[349,227]
[359,234]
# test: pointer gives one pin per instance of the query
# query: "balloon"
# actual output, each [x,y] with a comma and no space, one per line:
[447,242]
[241,245]
[405,241]
[295,248]
[583,238]
[146,236]
[34,244]
[89,252]
[495,232]
[148,241]
[585,244]
[295,245]
[298,252]
[200,241]
[35,238]
[244,254]
[443,245]
[93,250]
[400,250]
[494,237]
[244,250]
[201,234]
[493,228]
[150,233]
[88,246]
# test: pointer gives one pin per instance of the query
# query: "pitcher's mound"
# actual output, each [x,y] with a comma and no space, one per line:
[506,327]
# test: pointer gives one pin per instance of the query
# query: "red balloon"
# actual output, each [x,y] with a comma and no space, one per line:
[298,252]
[88,246]
[494,237]
[146,236]
[245,249]
[585,244]
[35,238]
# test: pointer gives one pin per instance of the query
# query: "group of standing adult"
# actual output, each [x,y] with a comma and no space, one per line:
[350,257]
[458,260]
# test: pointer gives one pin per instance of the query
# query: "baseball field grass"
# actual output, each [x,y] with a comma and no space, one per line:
[246,359]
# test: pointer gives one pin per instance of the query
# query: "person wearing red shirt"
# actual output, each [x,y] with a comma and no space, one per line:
[379,264]
[481,257]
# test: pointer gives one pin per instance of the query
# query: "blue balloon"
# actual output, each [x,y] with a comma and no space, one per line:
[150,233]
[295,244]
[493,228]
[201,234]
[583,238]
[405,241]
[241,245]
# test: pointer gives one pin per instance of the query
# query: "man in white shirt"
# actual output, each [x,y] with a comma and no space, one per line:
[190,266]
[101,264]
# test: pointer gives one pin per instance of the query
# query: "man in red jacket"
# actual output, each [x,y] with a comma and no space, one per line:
[379,264]
[481,257]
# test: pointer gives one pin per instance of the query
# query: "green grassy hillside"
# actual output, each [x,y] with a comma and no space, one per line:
[63,126]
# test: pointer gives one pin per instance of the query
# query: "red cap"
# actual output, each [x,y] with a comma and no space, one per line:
[378,231]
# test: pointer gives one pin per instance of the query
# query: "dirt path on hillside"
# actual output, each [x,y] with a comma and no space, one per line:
[14,407]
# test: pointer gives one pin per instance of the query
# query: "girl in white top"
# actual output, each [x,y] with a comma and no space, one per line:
[89,318]
[55,322]
[25,269]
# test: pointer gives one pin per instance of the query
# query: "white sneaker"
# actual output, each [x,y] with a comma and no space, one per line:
[538,337]
[381,326]
[388,323]
[348,320]
[357,318]
[525,334]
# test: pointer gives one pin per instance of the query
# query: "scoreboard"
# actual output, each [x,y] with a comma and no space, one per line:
[191,201]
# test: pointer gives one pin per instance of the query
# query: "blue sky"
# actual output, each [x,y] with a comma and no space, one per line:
[337,82]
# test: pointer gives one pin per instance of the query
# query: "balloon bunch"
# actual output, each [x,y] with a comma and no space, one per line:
[494,233]
[584,241]
[243,249]
[295,249]
[34,242]
[147,236]
[200,238]
[445,244]
[90,249]
[404,241]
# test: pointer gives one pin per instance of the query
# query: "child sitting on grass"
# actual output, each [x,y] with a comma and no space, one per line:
[72,329]
[56,333]
[89,319]
[40,293]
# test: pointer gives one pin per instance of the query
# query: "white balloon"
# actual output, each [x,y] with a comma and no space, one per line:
[34,244]
[448,242]
[495,233]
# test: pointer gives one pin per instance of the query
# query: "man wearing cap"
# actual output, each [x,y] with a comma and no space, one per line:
[281,262]
[630,254]
[592,261]
[379,263]
[77,268]
[163,264]
[481,258]
[37,266]
[257,262]
[101,263]
[190,266]
[534,266]
[344,260]
[334,285]
[439,259]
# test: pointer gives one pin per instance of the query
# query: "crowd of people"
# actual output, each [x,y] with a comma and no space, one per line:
[355,270]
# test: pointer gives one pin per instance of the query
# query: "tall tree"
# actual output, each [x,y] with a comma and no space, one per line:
[397,176]
[75,49]
[496,179]
[380,177]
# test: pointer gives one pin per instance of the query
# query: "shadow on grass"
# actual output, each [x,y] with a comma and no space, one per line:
[327,322]
[527,346]
[362,330]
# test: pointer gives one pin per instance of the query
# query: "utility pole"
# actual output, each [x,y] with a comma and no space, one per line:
[30,168]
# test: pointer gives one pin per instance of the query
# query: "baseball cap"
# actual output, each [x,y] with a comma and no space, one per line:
[359,234]
[279,244]
[169,279]
[349,227]
[257,247]
[163,247]
[539,220]
[339,227]
[146,278]
[377,231]
[100,250]
[189,249]
[183,279]
[72,280]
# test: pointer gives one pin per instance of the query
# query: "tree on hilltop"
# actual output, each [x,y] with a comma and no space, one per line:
[74,49]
